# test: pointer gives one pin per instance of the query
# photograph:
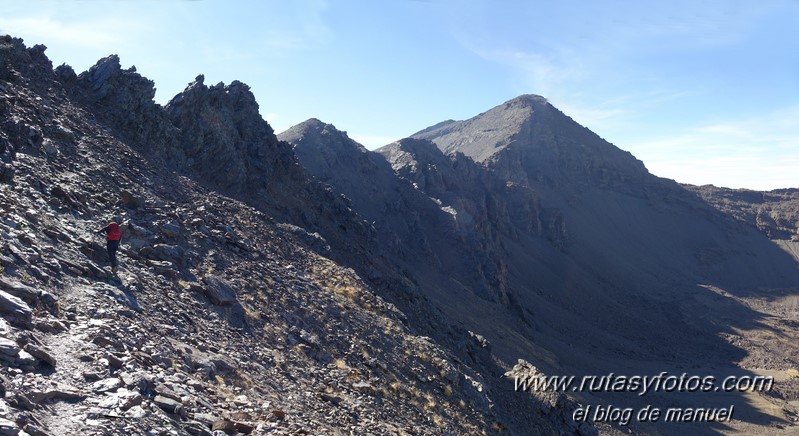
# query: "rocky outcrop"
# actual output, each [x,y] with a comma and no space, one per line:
[22,64]
[123,99]
[552,404]
[225,140]
[775,213]
[392,207]
[213,134]
[478,201]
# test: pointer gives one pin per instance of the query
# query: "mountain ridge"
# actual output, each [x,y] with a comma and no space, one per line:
[225,315]
[301,283]
[618,233]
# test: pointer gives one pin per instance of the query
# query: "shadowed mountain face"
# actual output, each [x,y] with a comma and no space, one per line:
[427,220]
[776,213]
[634,249]
[570,254]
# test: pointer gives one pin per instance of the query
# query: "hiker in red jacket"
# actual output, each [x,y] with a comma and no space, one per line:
[113,234]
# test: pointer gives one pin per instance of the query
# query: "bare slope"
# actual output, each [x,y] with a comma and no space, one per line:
[415,227]
[631,236]
[775,213]
[222,316]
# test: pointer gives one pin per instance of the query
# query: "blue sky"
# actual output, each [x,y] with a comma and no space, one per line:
[701,91]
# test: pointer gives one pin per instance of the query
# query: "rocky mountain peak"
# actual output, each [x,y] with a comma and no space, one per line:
[529,141]
[481,137]
[312,123]
[529,100]
[322,135]
[224,138]
[322,149]
[108,81]
[237,96]
[18,62]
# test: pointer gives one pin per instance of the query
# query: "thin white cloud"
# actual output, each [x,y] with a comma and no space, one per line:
[95,34]
[590,116]
[751,172]
[606,52]
[271,118]
[756,153]
[288,26]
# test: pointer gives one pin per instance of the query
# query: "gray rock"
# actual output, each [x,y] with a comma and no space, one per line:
[21,401]
[8,427]
[50,326]
[98,76]
[48,299]
[126,298]
[8,349]
[107,385]
[168,404]
[6,261]
[170,230]
[131,401]
[39,274]
[34,430]
[50,148]
[18,289]
[219,291]
[96,271]
[206,419]
[114,362]
[224,425]
[40,353]
[136,412]
[131,201]
[15,310]
[172,253]
[197,428]
[122,399]
[59,392]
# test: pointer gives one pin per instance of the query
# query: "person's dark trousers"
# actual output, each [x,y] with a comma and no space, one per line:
[112,247]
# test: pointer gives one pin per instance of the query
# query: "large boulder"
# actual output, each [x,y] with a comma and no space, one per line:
[219,291]
[170,253]
[15,310]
